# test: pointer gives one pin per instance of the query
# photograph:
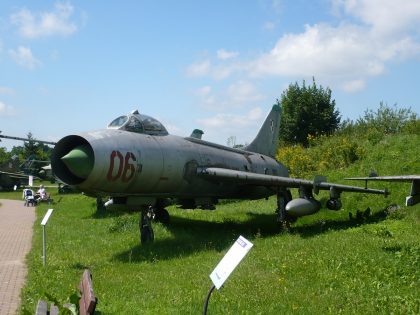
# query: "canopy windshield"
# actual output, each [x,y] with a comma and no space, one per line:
[138,123]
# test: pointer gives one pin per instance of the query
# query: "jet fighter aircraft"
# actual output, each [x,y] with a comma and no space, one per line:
[139,165]
[10,180]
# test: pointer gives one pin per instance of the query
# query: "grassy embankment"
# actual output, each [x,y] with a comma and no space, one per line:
[327,263]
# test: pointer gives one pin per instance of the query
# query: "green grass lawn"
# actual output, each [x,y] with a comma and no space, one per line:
[326,263]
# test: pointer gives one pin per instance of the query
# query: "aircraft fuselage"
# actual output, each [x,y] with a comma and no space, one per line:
[141,166]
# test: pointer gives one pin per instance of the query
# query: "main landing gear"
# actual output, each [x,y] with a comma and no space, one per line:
[147,215]
[283,197]
[100,205]
[161,215]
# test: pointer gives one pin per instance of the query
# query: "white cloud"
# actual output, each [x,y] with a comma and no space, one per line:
[353,86]
[43,24]
[199,69]
[222,72]
[6,110]
[243,127]
[372,34]
[255,114]
[24,58]
[205,68]
[387,17]
[346,53]
[6,90]
[321,50]
[204,91]
[236,95]
[243,92]
[224,54]
[229,120]
[206,98]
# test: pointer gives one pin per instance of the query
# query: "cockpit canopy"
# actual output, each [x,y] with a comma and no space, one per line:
[138,123]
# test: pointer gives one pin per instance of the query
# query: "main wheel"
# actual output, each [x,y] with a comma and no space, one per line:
[100,206]
[162,215]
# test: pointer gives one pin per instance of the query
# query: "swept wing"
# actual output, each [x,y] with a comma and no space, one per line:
[247,178]
[410,200]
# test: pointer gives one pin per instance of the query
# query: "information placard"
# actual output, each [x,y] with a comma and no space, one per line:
[230,261]
[46,217]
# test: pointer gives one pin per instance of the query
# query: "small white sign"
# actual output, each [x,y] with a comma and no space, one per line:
[31,180]
[230,261]
[46,217]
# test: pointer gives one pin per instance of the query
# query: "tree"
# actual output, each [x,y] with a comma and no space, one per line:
[32,155]
[386,119]
[31,147]
[35,150]
[306,110]
[4,155]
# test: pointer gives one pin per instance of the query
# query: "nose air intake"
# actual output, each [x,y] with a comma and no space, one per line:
[79,161]
[72,159]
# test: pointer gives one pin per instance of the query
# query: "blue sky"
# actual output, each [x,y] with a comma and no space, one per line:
[72,66]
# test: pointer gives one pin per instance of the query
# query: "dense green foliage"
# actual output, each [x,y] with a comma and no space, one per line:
[26,158]
[35,150]
[326,264]
[385,120]
[352,142]
[306,110]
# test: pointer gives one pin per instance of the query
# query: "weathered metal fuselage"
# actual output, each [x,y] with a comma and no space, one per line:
[148,166]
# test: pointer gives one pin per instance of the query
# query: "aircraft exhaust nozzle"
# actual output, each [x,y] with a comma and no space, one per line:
[79,161]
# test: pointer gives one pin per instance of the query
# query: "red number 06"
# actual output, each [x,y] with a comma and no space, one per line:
[126,170]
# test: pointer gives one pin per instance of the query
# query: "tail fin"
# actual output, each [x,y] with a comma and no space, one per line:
[268,137]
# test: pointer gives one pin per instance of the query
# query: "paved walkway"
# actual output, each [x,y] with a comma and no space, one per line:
[16,223]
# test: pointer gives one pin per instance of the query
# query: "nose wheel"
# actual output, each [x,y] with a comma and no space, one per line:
[146,229]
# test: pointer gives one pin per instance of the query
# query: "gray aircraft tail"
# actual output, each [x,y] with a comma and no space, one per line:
[268,137]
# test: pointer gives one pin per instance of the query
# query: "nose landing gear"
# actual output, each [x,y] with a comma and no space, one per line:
[147,215]
[145,225]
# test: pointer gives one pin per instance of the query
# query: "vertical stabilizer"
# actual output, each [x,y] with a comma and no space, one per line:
[268,137]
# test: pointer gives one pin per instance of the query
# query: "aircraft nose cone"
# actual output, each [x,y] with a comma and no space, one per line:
[79,161]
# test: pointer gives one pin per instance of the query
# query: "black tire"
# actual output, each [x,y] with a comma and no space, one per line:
[162,215]
[100,205]
[146,234]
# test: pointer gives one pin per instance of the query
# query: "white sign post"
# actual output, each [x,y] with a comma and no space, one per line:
[231,260]
[226,266]
[44,236]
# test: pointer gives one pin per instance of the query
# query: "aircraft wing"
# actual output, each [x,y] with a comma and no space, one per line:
[9,179]
[247,178]
[402,178]
[410,200]
[15,175]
